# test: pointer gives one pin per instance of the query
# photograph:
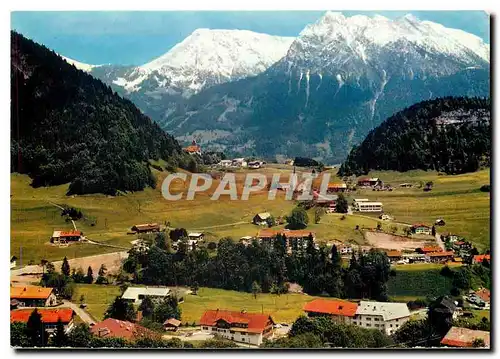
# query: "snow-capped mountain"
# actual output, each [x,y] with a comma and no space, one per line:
[205,58]
[340,78]
[80,65]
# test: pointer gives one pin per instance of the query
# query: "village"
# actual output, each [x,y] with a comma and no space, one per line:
[418,244]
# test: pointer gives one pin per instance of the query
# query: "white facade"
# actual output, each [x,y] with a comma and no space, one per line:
[238,334]
[368,206]
[422,230]
[137,294]
[385,316]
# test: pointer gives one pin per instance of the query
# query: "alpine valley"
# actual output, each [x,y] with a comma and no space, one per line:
[316,95]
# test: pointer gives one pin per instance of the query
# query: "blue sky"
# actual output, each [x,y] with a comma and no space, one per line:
[134,38]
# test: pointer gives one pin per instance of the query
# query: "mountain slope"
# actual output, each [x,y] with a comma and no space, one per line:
[451,135]
[340,78]
[67,126]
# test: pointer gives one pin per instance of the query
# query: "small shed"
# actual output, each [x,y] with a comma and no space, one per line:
[172,324]
[261,218]
[196,236]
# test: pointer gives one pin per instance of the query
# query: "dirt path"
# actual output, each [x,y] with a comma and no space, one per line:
[86,317]
[222,225]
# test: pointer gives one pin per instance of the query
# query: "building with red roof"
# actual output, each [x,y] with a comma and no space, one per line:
[463,337]
[114,328]
[65,236]
[431,249]
[50,317]
[480,257]
[394,255]
[440,256]
[243,327]
[33,296]
[484,294]
[339,310]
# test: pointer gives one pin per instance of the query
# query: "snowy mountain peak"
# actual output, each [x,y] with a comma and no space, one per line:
[79,65]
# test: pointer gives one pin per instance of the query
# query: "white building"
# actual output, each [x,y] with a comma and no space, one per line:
[137,294]
[368,206]
[242,327]
[225,163]
[196,236]
[386,316]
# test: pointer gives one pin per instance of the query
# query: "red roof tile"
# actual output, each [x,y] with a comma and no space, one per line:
[121,329]
[192,149]
[463,337]
[334,307]
[70,234]
[256,323]
[479,258]
[394,254]
[431,249]
[416,225]
[484,294]
[49,316]
[30,292]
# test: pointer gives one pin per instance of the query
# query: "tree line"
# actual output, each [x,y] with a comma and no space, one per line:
[270,265]
[450,134]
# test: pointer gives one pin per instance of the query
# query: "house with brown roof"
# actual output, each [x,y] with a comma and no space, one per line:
[340,311]
[66,236]
[336,187]
[146,228]
[440,256]
[484,294]
[430,249]
[463,337]
[32,296]
[50,317]
[114,328]
[293,237]
[194,149]
[243,327]
[394,256]
[171,324]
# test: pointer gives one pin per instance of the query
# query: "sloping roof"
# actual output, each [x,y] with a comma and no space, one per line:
[394,254]
[445,305]
[121,329]
[418,225]
[479,258]
[195,234]
[333,307]
[337,185]
[387,310]
[30,292]
[264,215]
[431,249]
[147,226]
[192,148]
[299,233]
[463,337]
[256,322]
[172,321]
[70,233]
[134,292]
[484,294]
[441,254]
[49,316]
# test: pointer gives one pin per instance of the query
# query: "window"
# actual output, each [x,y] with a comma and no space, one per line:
[205,328]
[376,319]
[368,318]
[368,325]
[391,325]
[231,331]
[242,339]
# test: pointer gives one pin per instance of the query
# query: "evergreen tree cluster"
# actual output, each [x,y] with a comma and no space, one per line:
[67,126]
[264,267]
[450,134]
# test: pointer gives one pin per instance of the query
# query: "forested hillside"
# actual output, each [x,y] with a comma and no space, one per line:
[451,134]
[67,126]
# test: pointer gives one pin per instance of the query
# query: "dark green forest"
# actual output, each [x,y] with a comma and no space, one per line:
[66,126]
[450,134]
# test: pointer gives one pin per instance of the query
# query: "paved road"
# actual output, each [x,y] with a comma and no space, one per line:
[79,311]
[439,241]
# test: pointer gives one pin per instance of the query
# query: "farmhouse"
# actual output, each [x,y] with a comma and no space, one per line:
[137,294]
[394,256]
[196,236]
[463,337]
[65,236]
[146,228]
[171,324]
[386,316]
[420,228]
[114,328]
[364,182]
[431,249]
[194,149]
[243,327]
[31,296]
[50,317]
[480,257]
[484,294]
[340,311]
[369,206]
[445,305]
[261,218]
[336,187]
[344,250]
[440,256]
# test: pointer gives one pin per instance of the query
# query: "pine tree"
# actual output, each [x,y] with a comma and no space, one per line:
[121,310]
[89,278]
[35,329]
[60,339]
[65,269]
[147,307]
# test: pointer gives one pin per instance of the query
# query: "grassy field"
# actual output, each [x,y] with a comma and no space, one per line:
[412,284]
[284,308]
[457,199]
[97,297]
